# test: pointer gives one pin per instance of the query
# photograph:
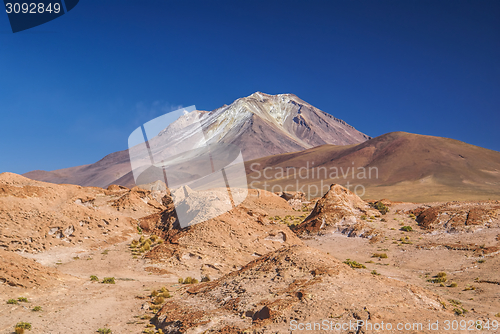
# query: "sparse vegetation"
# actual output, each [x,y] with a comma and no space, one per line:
[23,299]
[21,326]
[469,287]
[291,221]
[354,264]
[363,217]
[439,278]
[453,285]
[381,207]
[94,278]
[108,280]
[104,331]
[12,301]
[163,292]
[406,241]
[481,261]
[144,244]
[407,228]
[205,278]
[441,274]
[158,300]
[36,309]
[188,280]
[374,272]
[412,216]
[139,230]
[105,252]
[460,310]
[380,255]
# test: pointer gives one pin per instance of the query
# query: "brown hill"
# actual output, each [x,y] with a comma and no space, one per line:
[219,245]
[18,271]
[293,285]
[36,216]
[259,125]
[398,166]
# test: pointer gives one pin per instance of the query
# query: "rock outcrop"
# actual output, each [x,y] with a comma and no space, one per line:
[457,216]
[36,216]
[220,244]
[339,210]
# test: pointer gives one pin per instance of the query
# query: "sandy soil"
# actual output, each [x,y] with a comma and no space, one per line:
[78,305]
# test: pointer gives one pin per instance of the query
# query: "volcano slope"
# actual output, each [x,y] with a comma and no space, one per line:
[399,166]
[259,124]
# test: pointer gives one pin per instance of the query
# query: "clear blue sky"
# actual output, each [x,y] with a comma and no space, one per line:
[72,90]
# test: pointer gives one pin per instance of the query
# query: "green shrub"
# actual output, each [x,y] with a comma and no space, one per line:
[36,309]
[380,255]
[164,289]
[441,274]
[354,264]
[23,299]
[459,311]
[481,261]
[11,301]
[407,228]
[158,300]
[165,294]
[108,280]
[374,272]
[24,325]
[104,331]
[453,285]
[180,280]
[412,216]
[381,207]
[437,280]
[94,278]
[188,280]
[19,330]
[139,230]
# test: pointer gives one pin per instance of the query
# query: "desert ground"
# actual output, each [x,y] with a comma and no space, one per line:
[277,263]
